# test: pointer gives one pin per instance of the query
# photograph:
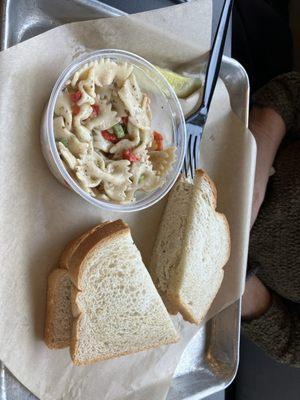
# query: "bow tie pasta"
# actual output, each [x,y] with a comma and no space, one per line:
[102,128]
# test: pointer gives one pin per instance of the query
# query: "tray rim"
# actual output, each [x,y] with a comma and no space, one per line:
[4,17]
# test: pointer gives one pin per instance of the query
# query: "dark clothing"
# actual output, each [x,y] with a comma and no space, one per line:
[282,94]
[275,237]
[261,39]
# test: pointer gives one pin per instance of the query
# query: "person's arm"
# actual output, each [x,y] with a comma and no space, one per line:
[256,299]
[268,129]
[277,330]
[266,319]
[276,107]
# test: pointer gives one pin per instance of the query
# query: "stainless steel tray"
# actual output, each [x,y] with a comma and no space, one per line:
[210,361]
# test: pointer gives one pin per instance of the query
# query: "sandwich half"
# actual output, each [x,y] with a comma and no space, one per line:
[116,309]
[191,249]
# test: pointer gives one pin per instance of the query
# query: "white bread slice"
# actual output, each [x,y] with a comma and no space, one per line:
[116,307]
[192,246]
[59,314]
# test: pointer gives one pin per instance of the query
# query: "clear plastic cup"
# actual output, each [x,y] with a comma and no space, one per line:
[166,111]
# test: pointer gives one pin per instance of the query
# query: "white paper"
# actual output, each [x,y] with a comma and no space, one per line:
[39,216]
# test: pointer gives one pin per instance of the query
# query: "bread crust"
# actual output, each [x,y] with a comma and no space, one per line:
[73,245]
[68,250]
[49,338]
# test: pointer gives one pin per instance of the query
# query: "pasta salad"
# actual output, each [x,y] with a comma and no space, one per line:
[103,134]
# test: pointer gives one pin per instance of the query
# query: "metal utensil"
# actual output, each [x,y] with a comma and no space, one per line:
[196,122]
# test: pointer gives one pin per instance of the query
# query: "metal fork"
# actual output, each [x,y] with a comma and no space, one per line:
[196,122]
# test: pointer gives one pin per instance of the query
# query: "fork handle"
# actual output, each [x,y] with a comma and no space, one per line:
[215,58]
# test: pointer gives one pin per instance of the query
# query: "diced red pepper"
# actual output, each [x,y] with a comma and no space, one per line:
[75,109]
[96,110]
[76,96]
[158,138]
[130,156]
[111,137]
[125,120]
